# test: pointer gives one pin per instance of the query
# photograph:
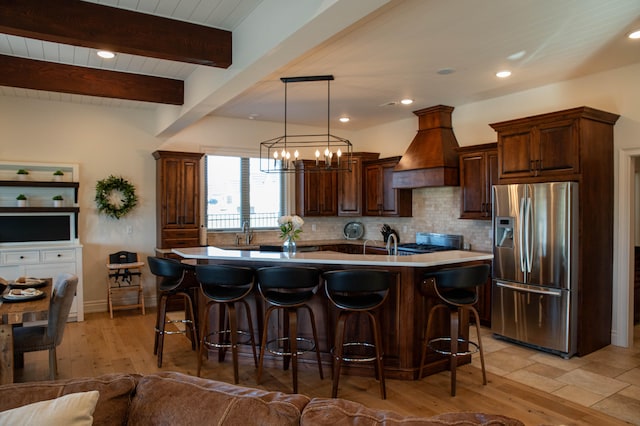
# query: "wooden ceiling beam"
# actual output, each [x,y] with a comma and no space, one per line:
[42,75]
[96,26]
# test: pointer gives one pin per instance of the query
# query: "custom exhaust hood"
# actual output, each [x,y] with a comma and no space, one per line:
[431,159]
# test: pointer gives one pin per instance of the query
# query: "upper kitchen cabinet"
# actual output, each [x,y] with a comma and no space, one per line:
[316,192]
[178,215]
[380,198]
[478,173]
[549,147]
[350,199]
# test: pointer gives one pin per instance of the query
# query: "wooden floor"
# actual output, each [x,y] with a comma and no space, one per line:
[100,345]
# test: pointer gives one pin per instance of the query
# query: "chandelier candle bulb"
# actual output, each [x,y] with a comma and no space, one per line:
[339,154]
[317,158]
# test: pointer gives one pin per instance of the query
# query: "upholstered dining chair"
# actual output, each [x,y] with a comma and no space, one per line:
[49,336]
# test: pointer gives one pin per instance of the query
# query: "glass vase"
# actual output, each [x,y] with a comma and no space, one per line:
[289,246]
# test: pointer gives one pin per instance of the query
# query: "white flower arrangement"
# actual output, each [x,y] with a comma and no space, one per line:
[290,227]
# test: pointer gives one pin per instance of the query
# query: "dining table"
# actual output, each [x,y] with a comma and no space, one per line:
[15,313]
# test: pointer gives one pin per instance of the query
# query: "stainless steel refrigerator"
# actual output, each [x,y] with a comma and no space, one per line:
[535,274]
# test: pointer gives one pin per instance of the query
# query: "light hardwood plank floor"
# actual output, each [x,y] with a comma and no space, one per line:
[518,378]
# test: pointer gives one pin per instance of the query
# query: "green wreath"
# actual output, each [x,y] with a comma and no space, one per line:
[105,197]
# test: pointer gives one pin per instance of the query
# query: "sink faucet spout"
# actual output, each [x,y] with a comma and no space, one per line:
[392,250]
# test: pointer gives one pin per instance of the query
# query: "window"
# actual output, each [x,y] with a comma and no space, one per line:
[237,192]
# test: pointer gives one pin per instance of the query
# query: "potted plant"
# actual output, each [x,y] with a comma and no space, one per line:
[22,200]
[22,174]
[57,175]
[57,201]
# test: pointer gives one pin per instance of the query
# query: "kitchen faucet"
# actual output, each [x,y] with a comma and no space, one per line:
[246,230]
[393,251]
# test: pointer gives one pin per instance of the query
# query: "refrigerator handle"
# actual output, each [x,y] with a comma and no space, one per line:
[548,292]
[529,222]
[521,233]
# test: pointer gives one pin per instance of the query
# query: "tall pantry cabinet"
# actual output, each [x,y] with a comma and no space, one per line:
[178,215]
[573,145]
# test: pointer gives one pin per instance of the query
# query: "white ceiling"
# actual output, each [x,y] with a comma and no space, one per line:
[383,56]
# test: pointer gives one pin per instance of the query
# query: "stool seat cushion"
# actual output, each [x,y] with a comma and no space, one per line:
[287,299]
[460,297]
[224,293]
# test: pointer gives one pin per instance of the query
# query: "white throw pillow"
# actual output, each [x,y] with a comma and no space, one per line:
[75,409]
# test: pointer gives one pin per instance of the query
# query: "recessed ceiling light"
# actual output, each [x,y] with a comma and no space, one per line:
[344,119]
[446,71]
[503,74]
[635,35]
[406,101]
[517,55]
[105,54]
[253,116]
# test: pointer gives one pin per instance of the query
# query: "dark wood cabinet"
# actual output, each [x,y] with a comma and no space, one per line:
[380,198]
[350,199]
[483,306]
[478,173]
[316,192]
[546,150]
[573,145]
[178,204]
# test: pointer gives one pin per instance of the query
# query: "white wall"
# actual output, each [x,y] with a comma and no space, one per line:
[102,141]
[119,141]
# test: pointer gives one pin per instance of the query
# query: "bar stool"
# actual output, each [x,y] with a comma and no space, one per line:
[288,288]
[224,286]
[457,290]
[356,291]
[171,273]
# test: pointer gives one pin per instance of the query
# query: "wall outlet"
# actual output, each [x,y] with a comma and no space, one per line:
[129,229]
[405,228]
[313,227]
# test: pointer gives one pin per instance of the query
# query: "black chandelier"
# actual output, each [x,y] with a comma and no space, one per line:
[305,153]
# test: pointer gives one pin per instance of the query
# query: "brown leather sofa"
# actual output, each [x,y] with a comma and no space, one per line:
[178,399]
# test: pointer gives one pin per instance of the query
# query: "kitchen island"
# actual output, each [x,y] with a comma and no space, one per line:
[403,316]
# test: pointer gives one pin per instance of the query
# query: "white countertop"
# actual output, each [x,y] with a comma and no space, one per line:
[332,257]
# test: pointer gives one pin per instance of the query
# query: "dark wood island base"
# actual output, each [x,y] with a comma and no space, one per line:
[403,316]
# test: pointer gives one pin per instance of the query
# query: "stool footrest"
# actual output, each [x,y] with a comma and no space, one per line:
[210,343]
[307,346]
[446,350]
[369,350]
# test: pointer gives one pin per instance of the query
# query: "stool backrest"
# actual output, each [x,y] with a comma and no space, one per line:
[288,277]
[464,277]
[171,271]
[357,289]
[358,280]
[212,277]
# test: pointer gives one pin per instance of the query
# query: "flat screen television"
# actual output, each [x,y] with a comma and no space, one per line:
[25,228]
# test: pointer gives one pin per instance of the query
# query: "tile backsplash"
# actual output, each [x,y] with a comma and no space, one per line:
[434,210]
